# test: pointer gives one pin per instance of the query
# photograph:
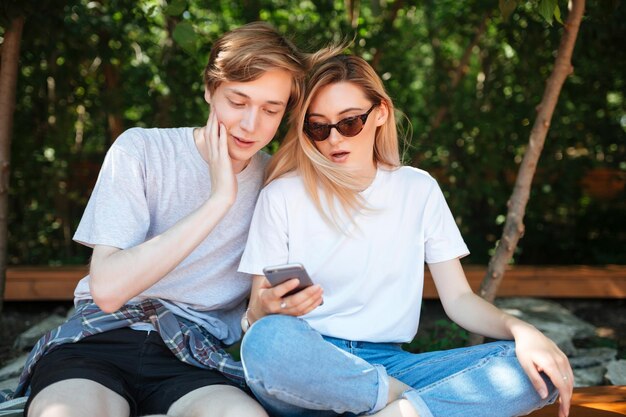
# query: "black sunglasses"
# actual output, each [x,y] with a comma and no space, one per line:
[348,127]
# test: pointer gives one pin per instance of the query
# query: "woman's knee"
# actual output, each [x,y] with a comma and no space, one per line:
[270,335]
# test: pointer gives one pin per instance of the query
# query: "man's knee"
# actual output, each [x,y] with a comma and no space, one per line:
[217,401]
[240,410]
[77,397]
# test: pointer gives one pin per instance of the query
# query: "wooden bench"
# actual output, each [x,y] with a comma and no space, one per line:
[58,283]
[592,402]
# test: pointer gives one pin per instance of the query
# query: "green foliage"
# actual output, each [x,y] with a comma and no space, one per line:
[547,9]
[443,335]
[87,64]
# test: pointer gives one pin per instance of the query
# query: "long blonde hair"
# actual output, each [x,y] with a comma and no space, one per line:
[298,153]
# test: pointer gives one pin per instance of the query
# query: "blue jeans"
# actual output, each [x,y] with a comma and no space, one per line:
[295,371]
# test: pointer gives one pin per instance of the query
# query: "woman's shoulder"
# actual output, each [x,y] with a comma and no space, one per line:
[287,181]
[283,191]
[411,175]
[288,184]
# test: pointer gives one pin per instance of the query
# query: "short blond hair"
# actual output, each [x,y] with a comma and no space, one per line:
[247,52]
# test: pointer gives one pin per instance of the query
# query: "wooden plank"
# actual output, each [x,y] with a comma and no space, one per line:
[576,281]
[58,283]
[592,402]
[26,283]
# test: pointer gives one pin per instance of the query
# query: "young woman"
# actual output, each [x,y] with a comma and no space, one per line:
[340,203]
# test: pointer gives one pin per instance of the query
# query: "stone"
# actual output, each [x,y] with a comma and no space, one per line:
[9,384]
[28,339]
[616,372]
[14,368]
[554,320]
[589,377]
[592,357]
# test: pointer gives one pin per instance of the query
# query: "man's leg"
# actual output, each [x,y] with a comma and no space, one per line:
[88,377]
[217,401]
[78,398]
[167,386]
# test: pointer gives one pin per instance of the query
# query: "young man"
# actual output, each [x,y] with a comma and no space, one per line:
[168,221]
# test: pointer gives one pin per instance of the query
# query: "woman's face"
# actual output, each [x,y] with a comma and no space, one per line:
[336,102]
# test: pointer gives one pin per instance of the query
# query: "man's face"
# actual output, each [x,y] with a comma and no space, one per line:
[251,112]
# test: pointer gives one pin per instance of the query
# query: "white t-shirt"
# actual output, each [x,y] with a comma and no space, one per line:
[151,179]
[373,275]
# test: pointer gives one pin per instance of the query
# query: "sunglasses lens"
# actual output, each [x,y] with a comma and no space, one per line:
[351,126]
[317,131]
[348,127]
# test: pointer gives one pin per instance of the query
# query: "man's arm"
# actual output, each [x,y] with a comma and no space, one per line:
[119,275]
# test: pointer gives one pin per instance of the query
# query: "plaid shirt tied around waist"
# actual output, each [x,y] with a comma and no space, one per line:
[187,340]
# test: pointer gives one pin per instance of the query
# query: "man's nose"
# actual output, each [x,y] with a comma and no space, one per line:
[249,120]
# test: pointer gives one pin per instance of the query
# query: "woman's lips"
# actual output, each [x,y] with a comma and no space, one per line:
[339,156]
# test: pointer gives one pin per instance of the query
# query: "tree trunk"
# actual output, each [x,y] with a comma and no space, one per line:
[9,60]
[514,225]
[352,10]
[114,117]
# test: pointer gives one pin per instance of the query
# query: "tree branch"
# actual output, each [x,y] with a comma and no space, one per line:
[9,57]
[514,225]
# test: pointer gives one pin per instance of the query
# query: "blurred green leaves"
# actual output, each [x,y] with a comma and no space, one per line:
[88,66]
[185,36]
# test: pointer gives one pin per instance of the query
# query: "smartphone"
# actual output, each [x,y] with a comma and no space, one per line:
[280,273]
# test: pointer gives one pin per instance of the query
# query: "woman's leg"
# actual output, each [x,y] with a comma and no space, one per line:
[485,380]
[293,371]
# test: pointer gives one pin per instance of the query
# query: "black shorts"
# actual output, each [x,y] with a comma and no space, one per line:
[135,364]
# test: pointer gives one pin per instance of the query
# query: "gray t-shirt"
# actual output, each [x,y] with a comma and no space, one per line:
[152,178]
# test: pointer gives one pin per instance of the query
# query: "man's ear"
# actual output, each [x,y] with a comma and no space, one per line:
[382,113]
[207,95]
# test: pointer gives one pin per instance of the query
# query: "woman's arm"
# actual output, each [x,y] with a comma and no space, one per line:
[266,300]
[535,352]
[119,275]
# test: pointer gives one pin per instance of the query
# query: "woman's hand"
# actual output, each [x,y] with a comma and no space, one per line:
[223,180]
[537,353]
[266,300]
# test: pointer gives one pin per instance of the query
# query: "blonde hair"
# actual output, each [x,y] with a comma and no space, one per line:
[298,153]
[247,52]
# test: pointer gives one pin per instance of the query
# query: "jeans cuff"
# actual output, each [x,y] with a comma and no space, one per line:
[416,401]
[383,389]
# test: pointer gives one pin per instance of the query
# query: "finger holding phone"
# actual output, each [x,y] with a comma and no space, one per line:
[284,289]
